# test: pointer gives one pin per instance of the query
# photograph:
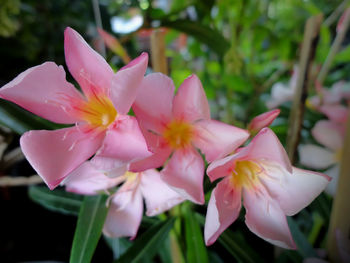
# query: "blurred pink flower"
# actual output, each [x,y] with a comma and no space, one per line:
[329,101]
[270,186]
[175,126]
[263,120]
[281,93]
[99,113]
[331,135]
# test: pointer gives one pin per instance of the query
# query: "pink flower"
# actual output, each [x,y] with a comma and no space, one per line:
[281,93]
[263,120]
[99,113]
[126,205]
[271,189]
[175,127]
[329,102]
[331,135]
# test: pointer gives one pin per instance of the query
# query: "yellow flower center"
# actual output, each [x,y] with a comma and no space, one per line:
[98,111]
[246,174]
[178,134]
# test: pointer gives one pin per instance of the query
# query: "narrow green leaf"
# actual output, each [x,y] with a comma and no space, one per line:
[148,244]
[235,245]
[304,247]
[211,37]
[91,219]
[196,250]
[236,248]
[57,200]
[118,245]
[20,120]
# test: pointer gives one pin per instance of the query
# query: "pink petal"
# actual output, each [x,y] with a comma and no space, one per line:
[156,160]
[109,166]
[329,134]
[87,180]
[124,141]
[190,102]
[221,168]
[153,104]
[127,83]
[223,210]
[265,145]
[265,218]
[54,154]
[44,91]
[337,113]
[293,191]
[280,93]
[124,215]
[159,197]
[217,139]
[184,173]
[87,67]
[263,120]
[333,173]
[315,157]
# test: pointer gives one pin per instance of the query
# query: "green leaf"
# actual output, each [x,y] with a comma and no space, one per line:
[57,200]
[20,121]
[235,244]
[118,245]
[196,250]
[148,244]
[304,247]
[91,219]
[238,248]
[202,33]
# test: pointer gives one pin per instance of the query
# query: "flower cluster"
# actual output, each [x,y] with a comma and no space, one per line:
[107,147]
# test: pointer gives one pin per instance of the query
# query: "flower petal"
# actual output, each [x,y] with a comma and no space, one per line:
[124,141]
[280,93]
[337,113]
[127,82]
[265,145]
[221,167]
[223,210]
[153,104]
[315,157]
[329,134]
[263,120]
[265,218]
[184,173]
[190,102]
[43,90]
[159,197]
[87,180]
[109,166]
[156,160]
[124,215]
[54,154]
[333,173]
[217,139]
[293,191]
[87,67]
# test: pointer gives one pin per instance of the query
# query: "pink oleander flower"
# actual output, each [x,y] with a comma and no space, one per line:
[261,121]
[281,93]
[175,126]
[271,189]
[329,101]
[331,135]
[98,114]
[126,205]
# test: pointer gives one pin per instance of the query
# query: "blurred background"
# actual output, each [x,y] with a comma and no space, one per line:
[245,52]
